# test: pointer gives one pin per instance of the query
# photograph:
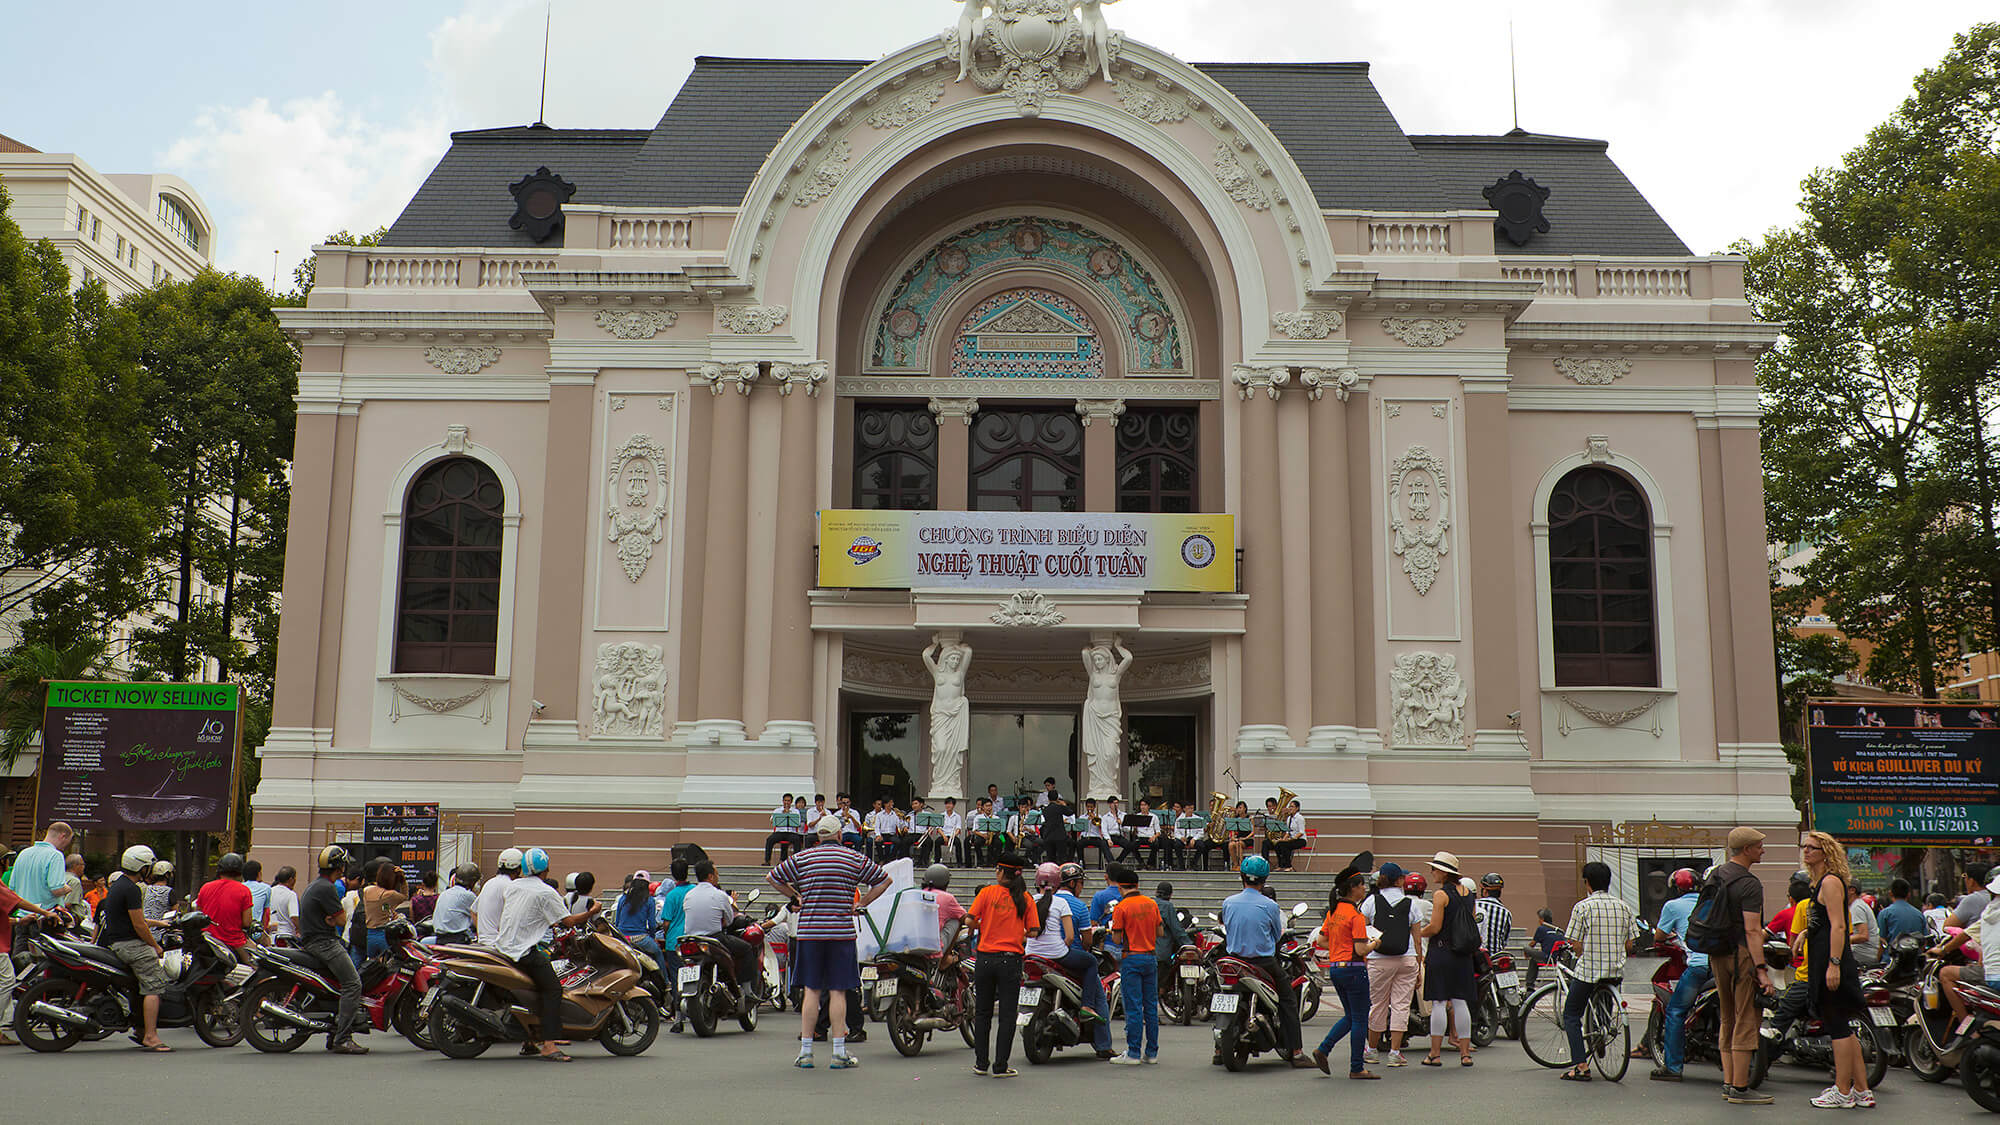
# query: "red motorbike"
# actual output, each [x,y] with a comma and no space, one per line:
[295,997]
[707,980]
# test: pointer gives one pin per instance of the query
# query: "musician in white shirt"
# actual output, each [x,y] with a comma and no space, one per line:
[980,844]
[1047,794]
[886,824]
[1295,837]
[785,838]
[1111,823]
[953,832]
[1093,834]
[929,840]
[1169,850]
[1026,838]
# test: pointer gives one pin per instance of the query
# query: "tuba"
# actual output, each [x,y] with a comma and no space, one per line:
[1216,803]
[1285,799]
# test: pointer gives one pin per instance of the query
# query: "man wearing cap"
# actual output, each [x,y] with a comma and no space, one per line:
[1392,966]
[1252,927]
[1739,971]
[823,881]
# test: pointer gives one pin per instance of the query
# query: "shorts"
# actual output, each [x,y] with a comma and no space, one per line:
[145,965]
[825,964]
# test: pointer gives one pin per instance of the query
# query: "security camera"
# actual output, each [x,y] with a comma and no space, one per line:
[1513,717]
[540,707]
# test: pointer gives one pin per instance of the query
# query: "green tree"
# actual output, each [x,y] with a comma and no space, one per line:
[303,273]
[24,672]
[79,496]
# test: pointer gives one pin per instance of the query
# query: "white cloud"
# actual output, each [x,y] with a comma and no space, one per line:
[283,177]
[1715,108]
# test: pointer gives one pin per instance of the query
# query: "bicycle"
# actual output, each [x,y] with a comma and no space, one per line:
[1607,1034]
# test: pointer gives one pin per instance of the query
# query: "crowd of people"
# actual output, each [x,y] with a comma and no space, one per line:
[1046,826]
[1385,929]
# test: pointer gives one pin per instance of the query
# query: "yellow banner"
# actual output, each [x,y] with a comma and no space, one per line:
[1011,551]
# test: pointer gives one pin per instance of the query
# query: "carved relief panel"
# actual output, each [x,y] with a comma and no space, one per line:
[1421,520]
[632,517]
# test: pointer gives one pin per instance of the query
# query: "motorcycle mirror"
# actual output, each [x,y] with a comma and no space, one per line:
[755,895]
[1298,909]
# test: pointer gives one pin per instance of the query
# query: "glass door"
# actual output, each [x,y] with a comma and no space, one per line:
[1161,759]
[1015,750]
[885,754]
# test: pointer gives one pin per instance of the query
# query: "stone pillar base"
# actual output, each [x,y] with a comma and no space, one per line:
[1263,738]
[1345,740]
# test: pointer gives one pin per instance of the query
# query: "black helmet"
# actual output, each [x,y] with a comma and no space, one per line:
[1800,886]
[229,864]
[1492,879]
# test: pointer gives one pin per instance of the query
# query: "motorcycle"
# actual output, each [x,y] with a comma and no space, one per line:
[1807,1042]
[482,998]
[1184,996]
[707,980]
[1894,986]
[923,992]
[1981,1068]
[1295,952]
[1932,1043]
[779,918]
[1246,1012]
[1052,1015]
[294,996]
[84,991]
[1498,1009]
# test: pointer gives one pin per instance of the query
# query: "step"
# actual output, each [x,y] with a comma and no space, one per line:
[1194,891]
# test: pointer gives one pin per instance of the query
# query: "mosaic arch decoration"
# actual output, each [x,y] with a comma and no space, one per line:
[1151,331]
[1027,334]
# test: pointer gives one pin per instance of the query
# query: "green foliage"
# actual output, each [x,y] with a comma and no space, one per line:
[23,693]
[303,274]
[78,493]
[1878,444]
[1807,665]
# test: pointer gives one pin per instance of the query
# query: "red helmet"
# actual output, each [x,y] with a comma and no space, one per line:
[1683,880]
[1414,884]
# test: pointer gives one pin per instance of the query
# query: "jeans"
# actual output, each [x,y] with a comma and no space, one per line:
[1581,992]
[548,990]
[646,945]
[1792,1006]
[1084,964]
[378,943]
[333,957]
[1350,982]
[1673,1035]
[1139,978]
[995,977]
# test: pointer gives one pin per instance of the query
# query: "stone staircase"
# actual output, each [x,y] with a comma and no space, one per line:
[1195,891]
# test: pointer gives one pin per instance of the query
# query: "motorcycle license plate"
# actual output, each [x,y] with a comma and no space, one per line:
[1190,972]
[1508,980]
[1882,1017]
[429,1002]
[1964,1025]
[870,972]
[690,974]
[1022,1017]
[1223,1002]
[1031,995]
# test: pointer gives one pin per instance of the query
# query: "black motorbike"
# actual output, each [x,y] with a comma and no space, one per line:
[1806,1042]
[83,991]
[707,980]
[920,993]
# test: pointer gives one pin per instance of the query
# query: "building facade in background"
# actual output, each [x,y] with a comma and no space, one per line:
[128,231]
[1486,426]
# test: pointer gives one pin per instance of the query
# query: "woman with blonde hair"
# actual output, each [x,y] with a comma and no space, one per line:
[1831,971]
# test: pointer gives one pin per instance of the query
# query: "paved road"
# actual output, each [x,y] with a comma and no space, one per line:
[738,1077]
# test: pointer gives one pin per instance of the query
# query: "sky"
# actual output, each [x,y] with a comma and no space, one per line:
[295,120]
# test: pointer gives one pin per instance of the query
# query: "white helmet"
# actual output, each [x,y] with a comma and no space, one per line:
[569,882]
[510,860]
[137,858]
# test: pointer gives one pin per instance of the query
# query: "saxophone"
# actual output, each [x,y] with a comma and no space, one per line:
[1217,802]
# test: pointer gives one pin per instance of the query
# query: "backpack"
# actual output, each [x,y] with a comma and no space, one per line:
[1394,922]
[1712,927]
[1462,926]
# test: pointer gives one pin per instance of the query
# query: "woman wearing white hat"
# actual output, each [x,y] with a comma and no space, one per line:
[1448,966]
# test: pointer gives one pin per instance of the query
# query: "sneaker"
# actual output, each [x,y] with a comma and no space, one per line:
[981,1069]
[1396,1059]
[1662,1074]
[1833,1099]
[843,1061]
[803,1062]
[1154,1060]
[677,1027]
[1105,1056]
[347,1047]
[1006,1072]
[1863,1099]
[1746,1096]
[1368,1056]
[1125,1060]
[1768,1032]
[858,1035]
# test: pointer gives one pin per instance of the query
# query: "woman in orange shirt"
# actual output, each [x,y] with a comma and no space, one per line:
[1345,936]
[1002,916]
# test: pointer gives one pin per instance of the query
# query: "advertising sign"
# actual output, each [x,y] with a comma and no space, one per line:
[1013,551]
[1917,775]
[407,834]
[139,757]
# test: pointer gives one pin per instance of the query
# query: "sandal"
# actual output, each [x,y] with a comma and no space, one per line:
[555,1056]
[1433,1060]
[155,1049]
[1465,1060]
[1576,1076]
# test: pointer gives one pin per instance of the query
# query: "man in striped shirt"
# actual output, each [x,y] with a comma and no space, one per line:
[824,880]
[1496,922]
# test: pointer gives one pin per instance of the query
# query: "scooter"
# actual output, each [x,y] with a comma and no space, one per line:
[924,993]
[1052,1015]
[1246,1012]
[1934,1045]
[295,998]
[1184,997]
[1295,952]
[707,980]
[1894,986]
[482,998]
[1981,1067]
[85,991]
[1807,1042]
[1498,1010]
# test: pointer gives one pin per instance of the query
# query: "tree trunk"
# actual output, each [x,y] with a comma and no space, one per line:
[229,563]
[190,511]
[1983,474]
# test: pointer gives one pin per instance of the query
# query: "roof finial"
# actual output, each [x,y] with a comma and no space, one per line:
[1514,74]
[548,21]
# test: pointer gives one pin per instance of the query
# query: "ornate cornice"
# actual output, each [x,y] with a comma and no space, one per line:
[1091,409]
[811,376]
[715,376]
[1268,378]
[901,386]
[1316,381]
[960,408]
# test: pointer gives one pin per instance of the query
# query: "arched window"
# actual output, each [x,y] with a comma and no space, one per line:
[448,609]
[1601,582]
[895,458]
[1027,461]
[1156,459]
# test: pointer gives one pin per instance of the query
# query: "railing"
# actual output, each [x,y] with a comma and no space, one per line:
[411,273]
[1556,281]
[1408,237]
[389,269]
[1644,281]
[673,232]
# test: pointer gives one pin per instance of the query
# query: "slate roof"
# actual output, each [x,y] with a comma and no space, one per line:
[730,113]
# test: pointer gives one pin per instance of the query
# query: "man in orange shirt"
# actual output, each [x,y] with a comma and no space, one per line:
[1136,922]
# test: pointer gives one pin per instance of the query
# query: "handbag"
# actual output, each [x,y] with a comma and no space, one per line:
[1464,929]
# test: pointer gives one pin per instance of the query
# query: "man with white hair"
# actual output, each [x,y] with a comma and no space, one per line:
[823,880]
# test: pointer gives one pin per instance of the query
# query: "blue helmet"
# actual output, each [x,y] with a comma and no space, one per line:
[1256,867]
[535,861]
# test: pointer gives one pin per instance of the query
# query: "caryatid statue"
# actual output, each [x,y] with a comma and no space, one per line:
[948,658]
[1104,717]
